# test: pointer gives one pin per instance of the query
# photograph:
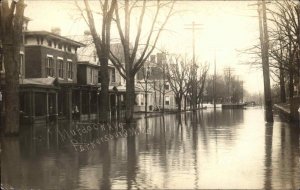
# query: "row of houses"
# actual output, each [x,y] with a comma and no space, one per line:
[58,80]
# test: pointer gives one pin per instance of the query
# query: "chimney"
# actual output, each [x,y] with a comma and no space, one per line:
[161,57]
[55,30]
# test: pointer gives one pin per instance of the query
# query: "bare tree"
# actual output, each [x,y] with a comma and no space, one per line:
[177,73]
[201,80]
[133,59]
[283,45]
[102,45]
[11,23]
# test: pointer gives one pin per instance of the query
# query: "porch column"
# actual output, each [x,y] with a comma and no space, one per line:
[70,103]
[119,104]
[47,107]
[56,107]
[89,105]
[80,104]
[33,106]
[109,103]
[97,96]
[109,106]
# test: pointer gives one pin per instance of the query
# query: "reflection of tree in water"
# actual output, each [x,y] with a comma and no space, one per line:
[33,161]
[132,160]
[228,118]
[104,154]
[287,167]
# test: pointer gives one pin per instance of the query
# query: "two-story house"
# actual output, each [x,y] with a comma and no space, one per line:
[50,73]
[159,93]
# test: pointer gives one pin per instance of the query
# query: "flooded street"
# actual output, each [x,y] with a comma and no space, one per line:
[223,149]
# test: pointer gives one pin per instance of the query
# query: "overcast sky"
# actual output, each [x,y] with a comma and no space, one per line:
[227,26]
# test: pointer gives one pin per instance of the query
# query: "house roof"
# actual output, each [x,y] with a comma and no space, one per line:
[56,36]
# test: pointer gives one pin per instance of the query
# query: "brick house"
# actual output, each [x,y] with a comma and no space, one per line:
[50,56]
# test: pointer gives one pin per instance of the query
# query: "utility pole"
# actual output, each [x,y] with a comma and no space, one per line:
[194,27]
[264,40]
[228,72]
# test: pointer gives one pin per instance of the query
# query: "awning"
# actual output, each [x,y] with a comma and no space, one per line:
[123,89]
[40,82]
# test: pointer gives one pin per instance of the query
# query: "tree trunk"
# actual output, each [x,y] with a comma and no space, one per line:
[146,97]
[104,99]
[163,100]
[178,101]
[185,102]
[11,36]
[282,85]
[291,84]
[11,89]
[130,98]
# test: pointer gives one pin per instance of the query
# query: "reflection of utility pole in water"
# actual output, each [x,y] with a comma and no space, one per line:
[194,75]
[215,65]
[195,148]
[268,158]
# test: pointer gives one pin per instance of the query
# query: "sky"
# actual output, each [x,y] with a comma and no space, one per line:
[227,28]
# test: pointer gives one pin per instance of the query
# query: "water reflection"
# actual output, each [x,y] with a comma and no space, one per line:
[205,149]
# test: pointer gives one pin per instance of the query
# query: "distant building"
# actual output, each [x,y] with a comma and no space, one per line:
[117,84]
[159,91]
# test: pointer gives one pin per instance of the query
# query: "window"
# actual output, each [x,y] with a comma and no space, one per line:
[142,99]
[60,66]
[69,48]
[167,87]
[49,43]
[90,75]
[50,66]
[167,101]
[113,75]
[70,70]
[59,46]
[21,64]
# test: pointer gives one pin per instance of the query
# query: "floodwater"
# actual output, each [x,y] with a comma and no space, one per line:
[223,149]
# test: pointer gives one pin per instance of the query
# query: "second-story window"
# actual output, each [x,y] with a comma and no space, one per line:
[50,66]
[70,70]
[49,43]
[60,66]
[167,87]
[113,75]
[89,75]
